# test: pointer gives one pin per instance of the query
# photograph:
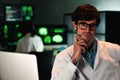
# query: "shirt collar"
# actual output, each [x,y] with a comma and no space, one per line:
[94,47]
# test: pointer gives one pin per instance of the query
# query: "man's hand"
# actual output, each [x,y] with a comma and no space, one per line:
[80,47]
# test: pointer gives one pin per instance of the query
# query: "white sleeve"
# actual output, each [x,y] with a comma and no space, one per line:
[63,69]
[39,46]
[118,52]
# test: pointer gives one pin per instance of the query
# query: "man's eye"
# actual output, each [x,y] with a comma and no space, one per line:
[83,24]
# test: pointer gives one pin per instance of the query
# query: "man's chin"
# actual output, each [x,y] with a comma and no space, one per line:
[86,40]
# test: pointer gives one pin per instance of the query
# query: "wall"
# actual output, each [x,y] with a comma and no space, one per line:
[51,11]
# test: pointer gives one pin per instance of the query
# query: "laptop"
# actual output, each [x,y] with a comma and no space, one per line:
[18,66]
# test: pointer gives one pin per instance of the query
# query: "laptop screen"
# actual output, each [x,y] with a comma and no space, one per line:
[18,66]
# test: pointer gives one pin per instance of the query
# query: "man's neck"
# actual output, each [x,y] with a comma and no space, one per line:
[90,44]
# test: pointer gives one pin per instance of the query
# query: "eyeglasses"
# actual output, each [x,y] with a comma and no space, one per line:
[84,25]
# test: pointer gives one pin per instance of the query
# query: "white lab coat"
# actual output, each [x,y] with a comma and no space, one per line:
[29,44]
[106,67]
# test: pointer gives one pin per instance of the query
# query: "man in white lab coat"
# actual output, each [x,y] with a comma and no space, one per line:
[88,58]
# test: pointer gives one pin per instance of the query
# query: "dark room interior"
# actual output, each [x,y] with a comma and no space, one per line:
[52,19]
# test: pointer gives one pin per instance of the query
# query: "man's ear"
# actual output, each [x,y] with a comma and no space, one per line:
[74,25]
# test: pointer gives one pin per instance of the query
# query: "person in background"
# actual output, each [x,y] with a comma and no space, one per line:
[88,58]
[30,42]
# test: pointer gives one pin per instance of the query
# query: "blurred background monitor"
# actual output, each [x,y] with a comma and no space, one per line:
[53,36]
[9,35]
[18,12]
[9,31]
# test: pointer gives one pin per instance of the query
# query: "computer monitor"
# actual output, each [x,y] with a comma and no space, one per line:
[53,36]
[18,12]
[9,35]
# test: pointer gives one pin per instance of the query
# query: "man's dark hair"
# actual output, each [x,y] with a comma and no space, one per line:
[86,12]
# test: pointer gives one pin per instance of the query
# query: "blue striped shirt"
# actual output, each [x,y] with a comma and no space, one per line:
[90,55]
